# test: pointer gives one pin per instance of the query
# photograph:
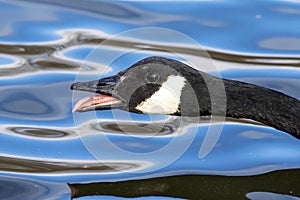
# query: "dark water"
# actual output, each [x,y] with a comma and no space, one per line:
[48,152]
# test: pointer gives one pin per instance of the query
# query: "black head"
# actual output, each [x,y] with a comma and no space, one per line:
[152,85]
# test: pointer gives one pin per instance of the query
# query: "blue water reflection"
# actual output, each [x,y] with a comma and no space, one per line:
[46,46]
[12,188]
[4,60]
[38,98]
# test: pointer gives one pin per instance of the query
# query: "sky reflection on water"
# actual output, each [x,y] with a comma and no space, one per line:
[46,46]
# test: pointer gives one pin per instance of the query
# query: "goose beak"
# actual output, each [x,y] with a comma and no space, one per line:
[102,86]
[106,99]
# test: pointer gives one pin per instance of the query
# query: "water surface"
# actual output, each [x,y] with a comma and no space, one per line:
[46,46]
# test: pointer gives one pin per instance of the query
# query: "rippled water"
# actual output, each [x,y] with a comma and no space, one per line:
[48,152]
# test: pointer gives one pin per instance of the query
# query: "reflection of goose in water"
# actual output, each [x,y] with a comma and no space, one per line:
[275,185]
[157,85]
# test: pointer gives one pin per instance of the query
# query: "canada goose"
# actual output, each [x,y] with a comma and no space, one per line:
[158,85]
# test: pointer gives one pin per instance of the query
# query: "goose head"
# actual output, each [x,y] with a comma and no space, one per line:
[154,85]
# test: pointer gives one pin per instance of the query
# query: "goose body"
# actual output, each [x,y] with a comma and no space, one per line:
[158,85]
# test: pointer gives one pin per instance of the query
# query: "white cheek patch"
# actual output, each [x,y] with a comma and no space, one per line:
[166,100]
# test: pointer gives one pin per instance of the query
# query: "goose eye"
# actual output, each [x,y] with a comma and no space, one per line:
[152,77]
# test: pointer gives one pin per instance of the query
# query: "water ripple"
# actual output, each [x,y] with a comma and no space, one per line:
[281,43]
[35,98]
[43,166]
[139,128]
[44,44]
[39,132]
[13,188]
[38,56]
